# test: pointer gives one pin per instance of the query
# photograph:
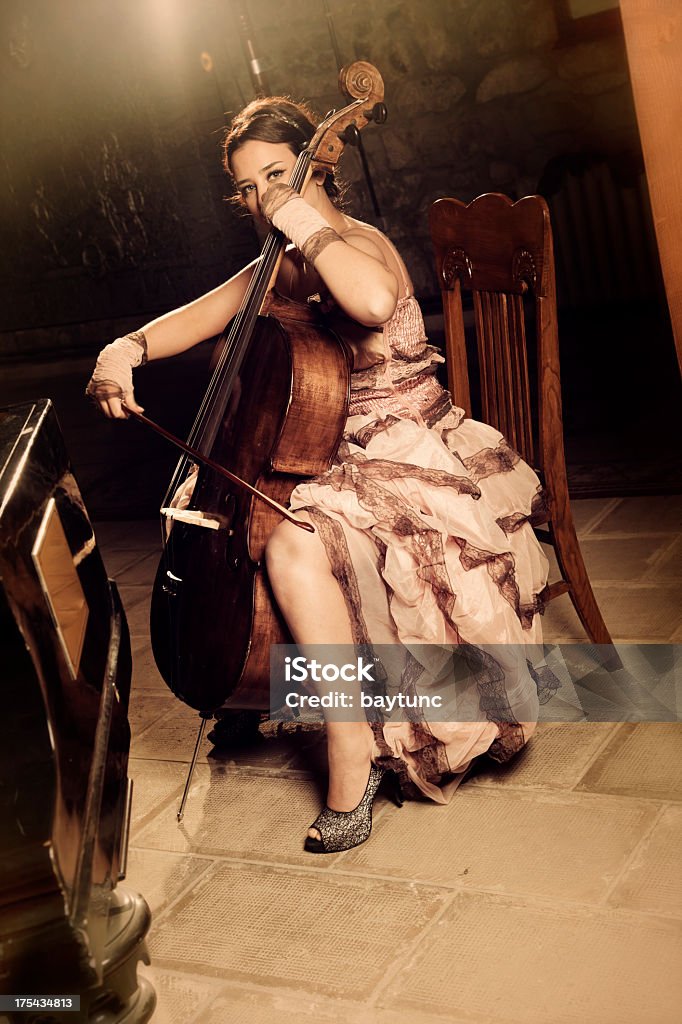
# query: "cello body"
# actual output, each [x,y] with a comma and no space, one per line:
[213,617]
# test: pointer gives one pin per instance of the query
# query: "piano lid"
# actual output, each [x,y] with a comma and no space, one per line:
[19,425]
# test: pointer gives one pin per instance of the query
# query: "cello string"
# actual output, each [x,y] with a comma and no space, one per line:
[204,429]
[260,281]
[207,421]
[198,434]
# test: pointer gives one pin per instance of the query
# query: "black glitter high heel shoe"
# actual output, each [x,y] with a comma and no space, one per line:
[342,830]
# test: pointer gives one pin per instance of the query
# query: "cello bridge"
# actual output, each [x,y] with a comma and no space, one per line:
[195,517]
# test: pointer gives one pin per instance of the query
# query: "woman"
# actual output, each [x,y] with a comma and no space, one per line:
[422,532]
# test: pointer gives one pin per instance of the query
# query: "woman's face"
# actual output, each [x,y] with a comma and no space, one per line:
[255,166]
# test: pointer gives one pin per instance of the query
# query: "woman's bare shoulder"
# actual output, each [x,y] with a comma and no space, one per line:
[375,243]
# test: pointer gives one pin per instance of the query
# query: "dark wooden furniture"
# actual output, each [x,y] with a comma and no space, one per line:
[66,925]
[502,253]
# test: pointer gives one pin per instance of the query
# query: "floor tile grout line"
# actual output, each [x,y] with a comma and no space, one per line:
[138,826]
[353,1010]
[629,535]
[147,688]
[303,870]
[405,961]
[218,984]
[142,732]
[480,792]
[337,872]
[305,775]
[675,801]
[396,964]
[190,884]
[136,558]
[200,1016]
[135,698]
[581,794]
[607,739]
[252,771]
[410,955]
[648,585]
[529,789]
[197,854]
[661,558]
[635,584]
[611,504]
[645,838]
[650,637]
[227,986]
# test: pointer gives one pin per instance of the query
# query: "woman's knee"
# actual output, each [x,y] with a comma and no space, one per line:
[287,546]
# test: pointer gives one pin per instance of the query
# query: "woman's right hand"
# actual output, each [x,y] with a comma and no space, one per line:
[112,381]
[168,335]
[111,401]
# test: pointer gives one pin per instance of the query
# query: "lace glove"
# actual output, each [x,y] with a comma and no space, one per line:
[288,211]
[112,380]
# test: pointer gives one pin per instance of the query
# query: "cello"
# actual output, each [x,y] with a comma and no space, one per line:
[274,414]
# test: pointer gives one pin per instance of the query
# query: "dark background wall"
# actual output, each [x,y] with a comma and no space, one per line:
[112,190]
[113,198]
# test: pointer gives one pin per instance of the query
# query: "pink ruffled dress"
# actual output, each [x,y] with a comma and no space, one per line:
[427,522]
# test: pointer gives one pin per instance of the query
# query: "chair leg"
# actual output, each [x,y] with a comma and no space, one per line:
[572,566]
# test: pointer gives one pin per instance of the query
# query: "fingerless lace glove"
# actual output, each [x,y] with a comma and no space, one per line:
[113,374]
[295,218]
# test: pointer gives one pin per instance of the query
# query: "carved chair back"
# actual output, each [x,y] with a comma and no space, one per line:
[501,252]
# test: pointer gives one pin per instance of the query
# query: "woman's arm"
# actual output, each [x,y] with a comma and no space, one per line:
[353,266]
[203,318]
[355,271]
[112,380]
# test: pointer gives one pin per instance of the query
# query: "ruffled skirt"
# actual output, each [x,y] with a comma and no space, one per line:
[429,533]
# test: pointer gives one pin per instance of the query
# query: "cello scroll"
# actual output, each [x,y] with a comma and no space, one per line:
[361,82]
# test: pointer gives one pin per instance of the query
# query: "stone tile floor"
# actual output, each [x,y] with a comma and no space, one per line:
[549,890]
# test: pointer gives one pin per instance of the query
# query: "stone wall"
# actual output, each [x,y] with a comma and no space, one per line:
[113,198]
[482,94]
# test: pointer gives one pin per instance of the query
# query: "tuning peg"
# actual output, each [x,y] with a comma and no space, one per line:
[378,113]
[350,135]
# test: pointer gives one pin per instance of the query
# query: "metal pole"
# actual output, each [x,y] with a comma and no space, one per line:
[258,79]
[361,148]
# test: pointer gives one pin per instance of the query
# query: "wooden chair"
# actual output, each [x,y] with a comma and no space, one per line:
[499,251]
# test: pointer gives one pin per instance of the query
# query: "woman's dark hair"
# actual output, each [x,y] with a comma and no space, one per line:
[275,119]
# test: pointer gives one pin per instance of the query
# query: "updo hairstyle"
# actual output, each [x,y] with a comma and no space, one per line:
[276,119]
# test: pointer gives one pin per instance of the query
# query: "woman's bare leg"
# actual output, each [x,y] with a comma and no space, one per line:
[313,605]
